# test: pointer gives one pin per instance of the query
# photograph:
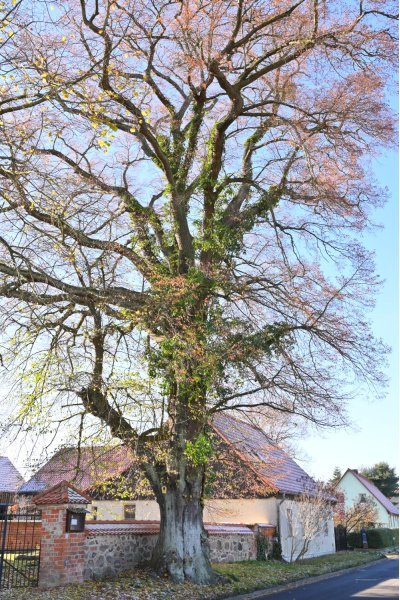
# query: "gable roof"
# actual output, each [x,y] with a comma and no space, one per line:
[386,503]
[272,466]
[62,493]
[10,478]
[85,468]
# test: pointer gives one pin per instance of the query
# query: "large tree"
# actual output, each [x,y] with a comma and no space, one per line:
[384,477]
[336,476]
[183,184]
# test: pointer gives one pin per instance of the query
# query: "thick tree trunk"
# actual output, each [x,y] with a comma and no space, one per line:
[182,549]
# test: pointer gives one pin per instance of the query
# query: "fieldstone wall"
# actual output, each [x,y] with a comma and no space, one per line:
[232,547]
[111,549]
[108,554]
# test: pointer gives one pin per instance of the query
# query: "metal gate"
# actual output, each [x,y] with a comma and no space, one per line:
[340,538]
[20,534]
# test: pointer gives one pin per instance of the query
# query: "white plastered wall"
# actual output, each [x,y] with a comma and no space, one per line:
[247,511]
[244,511]
[292,538]
[107,510]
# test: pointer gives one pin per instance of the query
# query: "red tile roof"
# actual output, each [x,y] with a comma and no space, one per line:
[62,493]
[10,478]
[386,503]
[85,468]
[93,466]
[277,469]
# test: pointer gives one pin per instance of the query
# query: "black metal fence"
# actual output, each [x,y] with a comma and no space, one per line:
[20,533]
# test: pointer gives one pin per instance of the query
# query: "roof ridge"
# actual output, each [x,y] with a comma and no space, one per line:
[75,449]
[274,466]
[255,427]
[375,491]
[92,447]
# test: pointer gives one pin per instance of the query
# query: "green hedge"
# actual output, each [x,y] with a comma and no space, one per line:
[377,538]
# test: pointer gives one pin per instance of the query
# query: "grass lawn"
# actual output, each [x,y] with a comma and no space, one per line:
[243,577]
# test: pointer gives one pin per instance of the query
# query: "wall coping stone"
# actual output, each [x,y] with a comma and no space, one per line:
[92,528]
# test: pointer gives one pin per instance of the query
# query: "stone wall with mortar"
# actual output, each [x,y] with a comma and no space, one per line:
[232,547]
[108,554]
[112,549]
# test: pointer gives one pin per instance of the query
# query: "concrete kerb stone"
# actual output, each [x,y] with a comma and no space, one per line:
[300,582]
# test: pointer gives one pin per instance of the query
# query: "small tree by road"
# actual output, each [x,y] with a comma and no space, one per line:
[360,514]
[308,516]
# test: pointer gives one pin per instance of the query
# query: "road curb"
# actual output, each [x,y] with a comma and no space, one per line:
[300,582]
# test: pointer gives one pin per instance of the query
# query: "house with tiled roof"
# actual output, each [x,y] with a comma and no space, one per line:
[85,467]
[10,480]
[357,488]
[250,481]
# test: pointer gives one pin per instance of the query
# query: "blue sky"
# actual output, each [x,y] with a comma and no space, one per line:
[374,437]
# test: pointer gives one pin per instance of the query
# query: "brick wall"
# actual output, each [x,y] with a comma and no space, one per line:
[21,533]
[62,556]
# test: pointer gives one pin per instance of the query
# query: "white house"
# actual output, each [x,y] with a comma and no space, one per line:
[357,488]
[253,481]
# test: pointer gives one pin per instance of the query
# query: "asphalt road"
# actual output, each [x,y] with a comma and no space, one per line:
[366,583]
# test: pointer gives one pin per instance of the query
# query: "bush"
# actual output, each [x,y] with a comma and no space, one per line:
[377,538]
[276,553]
[354,539]
[268,548]
[262,547]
